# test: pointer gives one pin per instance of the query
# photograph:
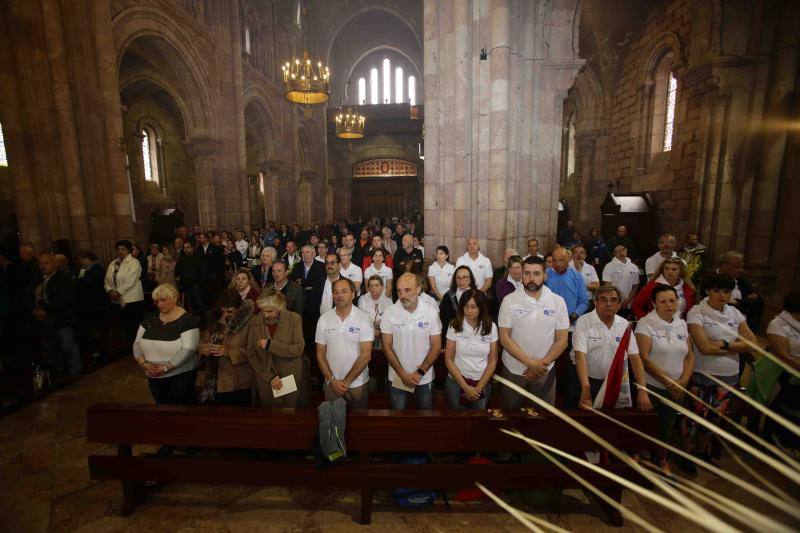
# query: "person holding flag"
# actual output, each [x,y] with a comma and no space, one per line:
[604,345]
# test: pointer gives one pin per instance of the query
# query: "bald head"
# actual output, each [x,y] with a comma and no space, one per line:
[560,259]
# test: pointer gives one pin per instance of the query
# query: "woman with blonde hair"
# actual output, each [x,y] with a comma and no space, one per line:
[263,272]
[245,285]
[275,350]
[673,273]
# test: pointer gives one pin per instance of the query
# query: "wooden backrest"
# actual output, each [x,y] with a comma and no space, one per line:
[369,430]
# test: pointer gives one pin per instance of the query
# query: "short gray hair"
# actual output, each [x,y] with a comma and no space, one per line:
[727,257]
[602,289]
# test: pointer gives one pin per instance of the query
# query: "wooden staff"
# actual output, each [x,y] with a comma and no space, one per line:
[525,521]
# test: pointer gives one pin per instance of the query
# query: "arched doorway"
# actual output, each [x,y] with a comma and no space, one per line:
[385,186]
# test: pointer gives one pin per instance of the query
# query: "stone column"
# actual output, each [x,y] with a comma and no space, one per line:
[587,202]
[271,169]
[205,151]
[491,133]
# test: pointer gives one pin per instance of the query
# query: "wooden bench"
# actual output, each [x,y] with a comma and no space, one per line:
[368,432]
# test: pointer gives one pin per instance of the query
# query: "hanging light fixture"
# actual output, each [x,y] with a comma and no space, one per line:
[305,81]
[349,122]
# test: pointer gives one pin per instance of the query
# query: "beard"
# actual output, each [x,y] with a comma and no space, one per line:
[534,287]
[406,304]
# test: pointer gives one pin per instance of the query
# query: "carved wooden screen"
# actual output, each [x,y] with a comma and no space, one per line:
[384,167]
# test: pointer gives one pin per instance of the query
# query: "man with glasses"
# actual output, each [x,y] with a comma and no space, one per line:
[533,326]
[595,342]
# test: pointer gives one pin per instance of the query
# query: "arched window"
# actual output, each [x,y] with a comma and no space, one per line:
[261,182]
[665,95]
[3,157]
[373,86]
[387,81]
[362,91]
[412,90]
[571,146]
[398,85]
[150,155]
[247,38]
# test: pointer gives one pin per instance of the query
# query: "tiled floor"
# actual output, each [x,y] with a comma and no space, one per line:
[45,485]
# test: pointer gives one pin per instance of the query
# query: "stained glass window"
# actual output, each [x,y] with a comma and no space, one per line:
[373,86]
[3,157]
[398,85]
[387,81]
[669,124]
[412,90]
[362,91]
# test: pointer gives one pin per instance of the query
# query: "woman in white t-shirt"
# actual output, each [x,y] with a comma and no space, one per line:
[379,268]
[663,340]
[374,303]
[775,386]
[440,273]
[715,328]
[470,353]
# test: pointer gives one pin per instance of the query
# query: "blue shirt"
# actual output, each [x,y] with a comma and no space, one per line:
[571,287]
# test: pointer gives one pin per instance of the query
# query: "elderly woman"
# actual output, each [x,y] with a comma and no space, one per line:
[672,273]
[245,285]
[230,375]
[263,272]
[165,272]
[663,340]
[388,242]
[512,282]
[166,349]
[275,350]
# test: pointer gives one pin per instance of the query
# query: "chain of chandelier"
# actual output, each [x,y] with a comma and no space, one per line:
[307,83]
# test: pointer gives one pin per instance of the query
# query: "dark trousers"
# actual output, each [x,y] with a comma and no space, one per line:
[241,398]
[174,390]
[131,317]
[62,350]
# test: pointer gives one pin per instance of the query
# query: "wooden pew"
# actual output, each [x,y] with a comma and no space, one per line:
[368,432]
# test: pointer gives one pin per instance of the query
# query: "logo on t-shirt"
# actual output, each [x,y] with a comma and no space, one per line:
[549,312]
[423,325]
[617,339]
[354,329]
[681,337]
[485,338]
[732,324]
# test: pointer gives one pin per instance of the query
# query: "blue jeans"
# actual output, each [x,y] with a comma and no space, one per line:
[61,348]
[453,394]
[423,396]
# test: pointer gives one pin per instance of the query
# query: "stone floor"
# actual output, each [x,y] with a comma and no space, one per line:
[45,485]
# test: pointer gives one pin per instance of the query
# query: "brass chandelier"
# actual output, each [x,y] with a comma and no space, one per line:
[305,81]
[349,123]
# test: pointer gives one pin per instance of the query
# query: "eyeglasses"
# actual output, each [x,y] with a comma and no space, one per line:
[462,278]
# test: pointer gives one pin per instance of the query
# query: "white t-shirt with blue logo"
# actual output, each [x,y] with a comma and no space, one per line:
[472,349]
[718,326]
[600,343]
[533,324]
[411,336]
[341,339]
[668,346]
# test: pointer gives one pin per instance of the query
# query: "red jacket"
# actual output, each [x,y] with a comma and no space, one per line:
[641,305]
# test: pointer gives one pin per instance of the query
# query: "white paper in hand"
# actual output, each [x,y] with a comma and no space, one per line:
[398,384]
[289,386]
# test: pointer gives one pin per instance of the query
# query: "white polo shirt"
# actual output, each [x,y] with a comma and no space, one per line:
[481,267]
[341,339]
[599,343]
[654,261]
[588,272]
[784,325]
[472,349]
[533,324]
[411,333]
[622,275]
[385,273]
[719,326]
[353,273]
[668,346]
[442,276]
[374,308]
[326,302]
[429,300]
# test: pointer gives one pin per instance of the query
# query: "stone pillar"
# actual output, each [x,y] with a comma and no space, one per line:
[271,171]
[587,201]
[205,151]
[491,133]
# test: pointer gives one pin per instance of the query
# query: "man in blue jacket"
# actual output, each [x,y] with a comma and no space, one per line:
[568,283]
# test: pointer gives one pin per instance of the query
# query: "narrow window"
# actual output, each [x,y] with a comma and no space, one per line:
[412,90]
[373,87]
[672,93]
[149,155]
[398,85]
[247,39]
[387,82]
[362,91]
[3,157]
[571,147]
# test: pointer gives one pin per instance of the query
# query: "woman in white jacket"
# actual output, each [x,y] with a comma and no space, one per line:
[123,285]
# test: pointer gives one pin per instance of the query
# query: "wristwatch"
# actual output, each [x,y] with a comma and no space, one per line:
[725,345]
[420,371]
[165,368]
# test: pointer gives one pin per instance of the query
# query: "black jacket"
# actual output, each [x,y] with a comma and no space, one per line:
[92,295]
[307,282]
[191,271]
[59,299]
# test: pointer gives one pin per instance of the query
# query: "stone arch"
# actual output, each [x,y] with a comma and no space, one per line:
[259,133]
[665,43]
[188,74]
[305,150]
[589,100]
[419,74]
[337,28]
[268,106]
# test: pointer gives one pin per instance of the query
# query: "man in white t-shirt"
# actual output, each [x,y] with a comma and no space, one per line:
[349,270]
[324,288]
[344,347]
[533,248]
[533,324]
[479,264]
[595,341]
[411,337]
[586,270]
[622,274]
[666,249]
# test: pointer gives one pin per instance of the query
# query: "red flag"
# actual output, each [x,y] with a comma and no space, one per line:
[615,373]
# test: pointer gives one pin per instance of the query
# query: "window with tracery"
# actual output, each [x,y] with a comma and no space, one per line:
[150,155]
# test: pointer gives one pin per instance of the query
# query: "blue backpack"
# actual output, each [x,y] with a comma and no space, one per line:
[414,497]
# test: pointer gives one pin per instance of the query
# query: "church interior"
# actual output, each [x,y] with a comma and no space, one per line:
[200,143]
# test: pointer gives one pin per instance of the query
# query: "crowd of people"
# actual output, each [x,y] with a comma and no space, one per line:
[270,317]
